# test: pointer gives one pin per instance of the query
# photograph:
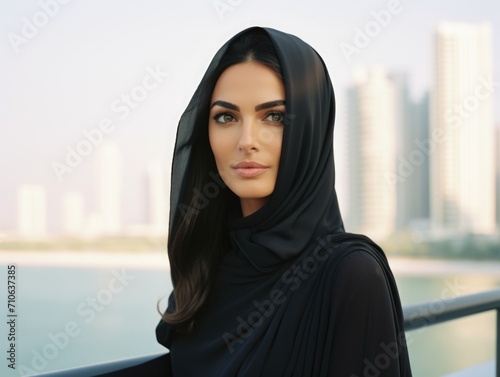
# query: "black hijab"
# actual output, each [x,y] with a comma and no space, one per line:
[334,300]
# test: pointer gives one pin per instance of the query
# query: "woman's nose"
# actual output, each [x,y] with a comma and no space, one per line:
[248,141]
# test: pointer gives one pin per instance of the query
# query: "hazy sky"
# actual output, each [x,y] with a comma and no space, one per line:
[68,74]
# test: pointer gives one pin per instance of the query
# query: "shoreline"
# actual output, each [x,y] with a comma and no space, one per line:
[158,260]
[154,260]
[404,266]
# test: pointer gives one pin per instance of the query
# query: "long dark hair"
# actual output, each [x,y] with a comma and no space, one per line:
[199,236]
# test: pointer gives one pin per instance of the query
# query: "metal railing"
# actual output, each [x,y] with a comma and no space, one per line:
[108,367]
[439,311]
[415,317]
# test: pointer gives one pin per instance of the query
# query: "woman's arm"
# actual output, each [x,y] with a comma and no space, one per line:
[365,339]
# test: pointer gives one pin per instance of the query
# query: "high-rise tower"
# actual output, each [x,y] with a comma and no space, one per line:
[109,188]
[462,131]
[372,151]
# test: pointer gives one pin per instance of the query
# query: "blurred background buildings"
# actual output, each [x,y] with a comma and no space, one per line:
[427,167]
[463,165]
[78,219]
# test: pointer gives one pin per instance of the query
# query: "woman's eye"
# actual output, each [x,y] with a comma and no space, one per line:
[224,118]
[275,116]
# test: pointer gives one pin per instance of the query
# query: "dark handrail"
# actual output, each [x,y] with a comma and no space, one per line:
[415,317]
[149,362]
[442,310]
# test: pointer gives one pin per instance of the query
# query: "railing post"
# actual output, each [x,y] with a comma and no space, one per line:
[497,358]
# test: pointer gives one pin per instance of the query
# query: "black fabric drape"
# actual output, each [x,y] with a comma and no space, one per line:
[295,295]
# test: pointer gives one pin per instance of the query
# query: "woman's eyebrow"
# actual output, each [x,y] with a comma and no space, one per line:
[226,105]
[262,106]
[267,105]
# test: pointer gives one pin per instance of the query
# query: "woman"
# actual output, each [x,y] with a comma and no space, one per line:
[266,281]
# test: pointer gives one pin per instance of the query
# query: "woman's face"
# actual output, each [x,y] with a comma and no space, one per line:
[246,129]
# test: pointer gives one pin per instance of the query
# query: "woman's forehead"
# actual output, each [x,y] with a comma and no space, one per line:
[249,81]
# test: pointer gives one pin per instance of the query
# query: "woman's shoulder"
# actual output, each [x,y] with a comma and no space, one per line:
[362,260]
[361,265]
[358,266]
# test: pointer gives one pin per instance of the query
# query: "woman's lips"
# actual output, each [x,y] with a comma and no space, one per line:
[249,172]
[249,169]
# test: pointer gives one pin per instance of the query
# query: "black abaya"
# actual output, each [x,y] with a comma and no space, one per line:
[295,295]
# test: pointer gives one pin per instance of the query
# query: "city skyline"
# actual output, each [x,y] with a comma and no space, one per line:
[69,79]
[385,128]
[458,194]
[80,219]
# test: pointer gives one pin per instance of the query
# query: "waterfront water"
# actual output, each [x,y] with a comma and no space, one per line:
[69,315]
